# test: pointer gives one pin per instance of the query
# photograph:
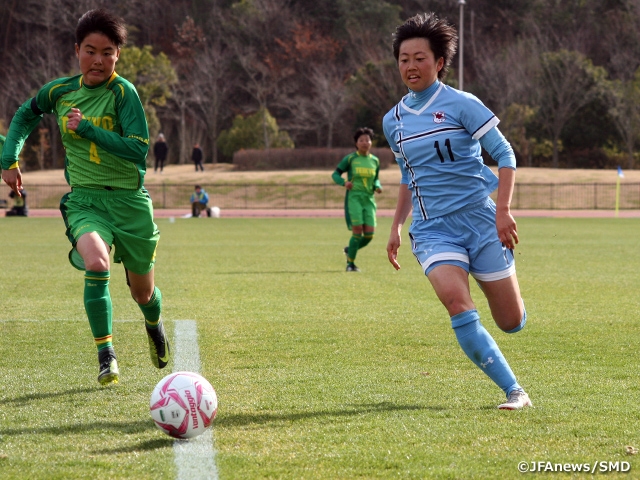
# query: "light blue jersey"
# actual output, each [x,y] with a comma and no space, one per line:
[434,135]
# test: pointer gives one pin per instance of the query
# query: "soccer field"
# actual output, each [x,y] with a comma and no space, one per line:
[323,374]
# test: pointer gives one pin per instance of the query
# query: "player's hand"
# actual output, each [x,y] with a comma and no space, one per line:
[75,117]
[507,229]
[13,178]
[348,185]
[392,249]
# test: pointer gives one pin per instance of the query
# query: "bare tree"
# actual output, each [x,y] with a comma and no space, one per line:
[213,88]
[259,55]
[624,108]
[569,81]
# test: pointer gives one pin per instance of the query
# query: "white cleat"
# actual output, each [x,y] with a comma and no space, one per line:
[517,399]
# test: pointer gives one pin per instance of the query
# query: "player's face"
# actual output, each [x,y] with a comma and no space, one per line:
[364,144]
[97,56]
[417,64]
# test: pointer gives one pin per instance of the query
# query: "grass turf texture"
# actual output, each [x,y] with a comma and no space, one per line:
[322,373]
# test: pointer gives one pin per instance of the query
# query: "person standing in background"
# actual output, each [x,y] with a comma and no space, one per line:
[160,150]
[362,182]
[196,157]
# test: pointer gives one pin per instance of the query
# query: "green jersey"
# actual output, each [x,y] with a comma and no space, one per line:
[362,172]
[1,145]
[108,149]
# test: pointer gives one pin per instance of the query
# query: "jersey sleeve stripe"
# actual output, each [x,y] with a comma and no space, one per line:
[488,125]
[34,107]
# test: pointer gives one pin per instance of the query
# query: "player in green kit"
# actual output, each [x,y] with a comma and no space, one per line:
[106,139]
[359,204]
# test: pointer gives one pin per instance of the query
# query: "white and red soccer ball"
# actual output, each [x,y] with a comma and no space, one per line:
[183,404]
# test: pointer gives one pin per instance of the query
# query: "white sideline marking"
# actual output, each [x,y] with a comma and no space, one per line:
[195,458]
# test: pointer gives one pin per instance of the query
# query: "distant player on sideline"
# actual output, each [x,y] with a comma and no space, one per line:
[106,138]
[359,204]
[436,134]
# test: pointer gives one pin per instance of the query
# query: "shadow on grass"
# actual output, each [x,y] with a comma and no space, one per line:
[155,444]
[136,426]
[46,395]
[243,419]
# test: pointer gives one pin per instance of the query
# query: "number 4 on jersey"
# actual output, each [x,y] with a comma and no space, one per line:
[93,153]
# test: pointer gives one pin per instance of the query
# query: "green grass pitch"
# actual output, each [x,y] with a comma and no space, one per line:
[322,374]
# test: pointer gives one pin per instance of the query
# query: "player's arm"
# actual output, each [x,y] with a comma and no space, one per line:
[500,150]
[25,120]
[23,123]
[377,186]
[133,144]
[403,209]
[342,167]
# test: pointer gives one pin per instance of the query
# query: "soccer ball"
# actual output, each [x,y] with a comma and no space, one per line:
[215,212]
[183,404]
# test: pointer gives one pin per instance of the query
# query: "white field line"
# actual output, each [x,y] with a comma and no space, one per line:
[195,458]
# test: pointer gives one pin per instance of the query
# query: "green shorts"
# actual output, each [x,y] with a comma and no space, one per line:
[122,218]
[360,209]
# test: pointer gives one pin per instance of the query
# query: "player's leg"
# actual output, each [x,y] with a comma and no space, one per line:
[505,302]
[367,235]
[356,216]
[97,302]
[136,247]
[369,218]
[451,285]
[354,244]
[493,267]
[149,299]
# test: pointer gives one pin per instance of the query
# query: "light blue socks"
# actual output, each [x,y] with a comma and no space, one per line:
[482,349]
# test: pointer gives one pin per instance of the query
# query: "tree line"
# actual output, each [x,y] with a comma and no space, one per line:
[563,76]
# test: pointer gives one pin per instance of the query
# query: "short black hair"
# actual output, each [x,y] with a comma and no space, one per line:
[362,131]
[197,187]
[101,21]
[442,37]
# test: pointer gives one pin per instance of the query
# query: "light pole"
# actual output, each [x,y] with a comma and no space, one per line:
[461,49]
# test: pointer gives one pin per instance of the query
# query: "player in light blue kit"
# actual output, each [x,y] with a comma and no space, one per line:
[437,134]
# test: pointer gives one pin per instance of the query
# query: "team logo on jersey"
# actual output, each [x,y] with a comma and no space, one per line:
[438,117]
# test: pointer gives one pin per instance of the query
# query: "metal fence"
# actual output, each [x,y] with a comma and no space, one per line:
[526,196]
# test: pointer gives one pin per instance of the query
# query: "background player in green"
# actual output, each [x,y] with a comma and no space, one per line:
[106,139]
[360,205]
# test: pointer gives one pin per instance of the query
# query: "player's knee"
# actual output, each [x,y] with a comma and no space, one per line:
[141,296]
[96,264]
[520,326]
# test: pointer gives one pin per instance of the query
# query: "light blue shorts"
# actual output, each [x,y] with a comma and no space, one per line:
[467,239]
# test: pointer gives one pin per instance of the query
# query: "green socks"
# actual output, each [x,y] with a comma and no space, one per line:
[97,303]
[354,245]
[366,239]
[153,309]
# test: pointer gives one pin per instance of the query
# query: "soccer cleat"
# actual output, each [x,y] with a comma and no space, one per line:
[108,368]
[517,399]
[158,346]
[351,267]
